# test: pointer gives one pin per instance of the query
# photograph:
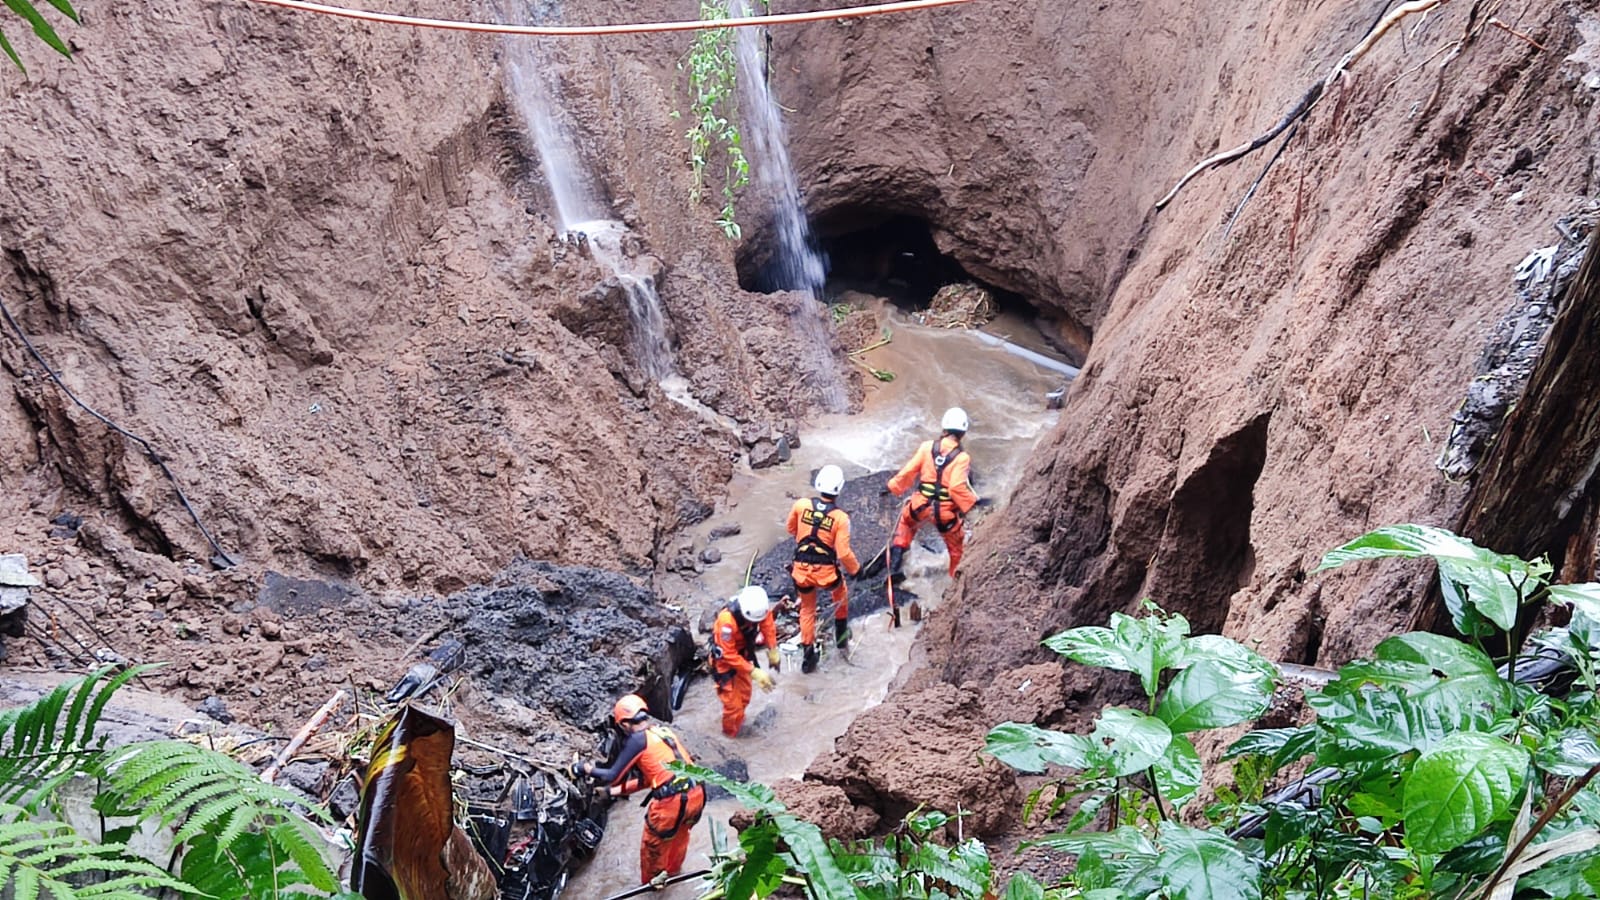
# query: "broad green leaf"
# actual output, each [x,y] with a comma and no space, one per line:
[1281,745]
[1463,616]
[1229,651]
[1460,786]
[1144,646]
[1023,886]
[1214,694]
[1375,806]
[1410,541]
[1124,841]
[1490,590]
[1178,775]
[1205,865]
[1091,645]
[1029,748]
[24,8]
[1125,741]
[1413,676]
[1491,579]
[1436,673]
[1441,654]
[1371,724]
[1568,753]
[1583,598]
[762,870]
[812,856]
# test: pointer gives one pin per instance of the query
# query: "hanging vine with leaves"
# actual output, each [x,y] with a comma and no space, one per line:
[712,65]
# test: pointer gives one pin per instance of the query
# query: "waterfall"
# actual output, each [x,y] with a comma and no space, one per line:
[651,349]
[579,210]
[796,263]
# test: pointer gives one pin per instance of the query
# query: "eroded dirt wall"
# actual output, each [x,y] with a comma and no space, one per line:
[313,262]
[1249,401]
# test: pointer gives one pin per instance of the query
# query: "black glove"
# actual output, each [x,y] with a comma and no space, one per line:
[578,774]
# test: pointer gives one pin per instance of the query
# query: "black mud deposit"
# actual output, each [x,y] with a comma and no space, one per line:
[570,640]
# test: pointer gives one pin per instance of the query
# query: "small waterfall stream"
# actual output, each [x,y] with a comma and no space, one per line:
[579,209]
[797,262]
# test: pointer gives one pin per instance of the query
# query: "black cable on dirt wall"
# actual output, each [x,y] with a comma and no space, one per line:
[222,560]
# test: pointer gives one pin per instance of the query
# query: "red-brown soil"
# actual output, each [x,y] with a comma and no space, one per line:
[309,260]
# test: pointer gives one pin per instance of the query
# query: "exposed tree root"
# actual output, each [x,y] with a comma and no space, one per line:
[1309,99]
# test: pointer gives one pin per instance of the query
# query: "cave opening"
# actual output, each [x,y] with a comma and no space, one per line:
[883,254]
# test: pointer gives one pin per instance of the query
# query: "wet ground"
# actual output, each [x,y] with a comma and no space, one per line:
[1004,395]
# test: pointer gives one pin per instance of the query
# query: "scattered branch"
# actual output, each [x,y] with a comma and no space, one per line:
[1495,21]
[1308,100]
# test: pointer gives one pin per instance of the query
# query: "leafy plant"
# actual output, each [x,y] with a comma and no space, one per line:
[28,12]
[780,848]
[1434,772]
[235,835]
[713,69]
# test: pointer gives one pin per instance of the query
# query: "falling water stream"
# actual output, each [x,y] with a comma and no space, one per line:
[532,88]
[797,263]
[1004,393]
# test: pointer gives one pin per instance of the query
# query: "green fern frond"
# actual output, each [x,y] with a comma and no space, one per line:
[50,857]
[196,788]
[39,751]
[292,837]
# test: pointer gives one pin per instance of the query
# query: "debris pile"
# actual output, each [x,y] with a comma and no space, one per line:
[963,305]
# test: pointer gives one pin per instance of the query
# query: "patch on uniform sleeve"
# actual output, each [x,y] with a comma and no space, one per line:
[727,631]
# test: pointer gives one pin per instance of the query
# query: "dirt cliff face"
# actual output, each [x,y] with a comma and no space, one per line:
[309,260]
[1252,396]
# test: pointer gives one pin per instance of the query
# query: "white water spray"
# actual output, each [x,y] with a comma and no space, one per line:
[651,348]
[796,263]
[579,210]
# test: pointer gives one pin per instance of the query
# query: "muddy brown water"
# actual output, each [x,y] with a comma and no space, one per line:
[1004,395]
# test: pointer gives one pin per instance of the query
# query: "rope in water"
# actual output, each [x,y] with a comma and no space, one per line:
[630,28]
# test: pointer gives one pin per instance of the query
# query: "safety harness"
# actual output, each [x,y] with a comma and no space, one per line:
[748,631]
[679,787]
[811,548]
[936,491]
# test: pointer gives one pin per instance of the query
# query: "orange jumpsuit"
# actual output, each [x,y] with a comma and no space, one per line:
[675,804]
[822,547]
[943,495]
[733,646]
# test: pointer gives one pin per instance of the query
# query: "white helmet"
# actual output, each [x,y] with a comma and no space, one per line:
[955,419]
[830,480]
[752,602]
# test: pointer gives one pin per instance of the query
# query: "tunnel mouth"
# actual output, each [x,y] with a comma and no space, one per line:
[890,254]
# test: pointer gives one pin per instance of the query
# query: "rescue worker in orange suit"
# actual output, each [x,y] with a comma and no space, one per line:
[940,472]
[822,557]
[734,634]
[675,802]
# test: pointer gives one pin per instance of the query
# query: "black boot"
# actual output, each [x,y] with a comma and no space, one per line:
[896,560]
[808,663]
[841,632]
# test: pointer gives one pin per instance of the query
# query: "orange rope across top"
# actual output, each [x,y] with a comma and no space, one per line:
[635,28]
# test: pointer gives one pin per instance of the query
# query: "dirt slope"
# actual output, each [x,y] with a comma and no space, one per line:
[1251,398]
[308,259]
